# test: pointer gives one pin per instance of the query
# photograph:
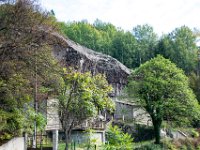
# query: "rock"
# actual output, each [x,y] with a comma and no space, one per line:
[163,133]
[176,134]
[83,59]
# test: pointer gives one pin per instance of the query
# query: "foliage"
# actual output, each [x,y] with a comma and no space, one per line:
[29,117]
[146,44]
[163,91]
[136,47]
[13,97]
[150,147]
[186,144]
[27,66]
[118,140]
[85,93]
[26,63]
[195,84]
[132,49]
[180,47]
[194,133]
[143,133]
[81,96]
[91,142]
[18,121]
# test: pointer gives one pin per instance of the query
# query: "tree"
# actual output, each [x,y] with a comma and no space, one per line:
[26,60]
[123,45]
[146,43]
[163,91]
[195,84]
[180,47]
[81,96]
[103,37]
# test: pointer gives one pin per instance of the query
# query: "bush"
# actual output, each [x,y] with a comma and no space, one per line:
[5,136]
[150,147]
[167,144]
[117,140]
[139,132]
[194,133]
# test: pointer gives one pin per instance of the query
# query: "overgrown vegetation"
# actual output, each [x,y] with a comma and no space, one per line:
[29,74]
[138,46]
[118,140]
[81,97]
[26,65]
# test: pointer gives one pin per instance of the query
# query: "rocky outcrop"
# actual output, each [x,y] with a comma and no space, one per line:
[83,59]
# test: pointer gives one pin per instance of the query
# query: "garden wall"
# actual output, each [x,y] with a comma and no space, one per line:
[17,143]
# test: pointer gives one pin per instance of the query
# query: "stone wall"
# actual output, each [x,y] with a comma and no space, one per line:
[127,111]
[17,143]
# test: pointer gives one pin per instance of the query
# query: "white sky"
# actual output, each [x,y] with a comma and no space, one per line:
[163,15]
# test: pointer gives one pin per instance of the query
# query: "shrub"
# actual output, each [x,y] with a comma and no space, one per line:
[117,140]
[150,147]
[167,144]
[194,133]
[5,136]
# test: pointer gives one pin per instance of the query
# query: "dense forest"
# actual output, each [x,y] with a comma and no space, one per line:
[169,66]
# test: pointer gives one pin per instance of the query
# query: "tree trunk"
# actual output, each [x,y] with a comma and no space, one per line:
[157,125]
[67,138]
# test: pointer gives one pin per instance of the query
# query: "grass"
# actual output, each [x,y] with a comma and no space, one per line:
[140,144]
[78,147]
[61,146]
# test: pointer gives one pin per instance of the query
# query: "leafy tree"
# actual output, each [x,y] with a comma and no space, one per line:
[81,32]
[195,84]
[118,140]
[180,47]
[146,39]
[163,91]
[26,60]
[101,37]
[123,45]
[81,96]
[131,49]
[16,114]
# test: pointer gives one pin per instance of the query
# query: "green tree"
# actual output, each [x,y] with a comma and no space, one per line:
[103,37]
[81,32]
[146,39]
[180,47]
[81,96]
[26,60]
[195,84]
[123,45]
[163,91]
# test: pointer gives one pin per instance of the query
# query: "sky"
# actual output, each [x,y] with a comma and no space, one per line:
[163,15]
